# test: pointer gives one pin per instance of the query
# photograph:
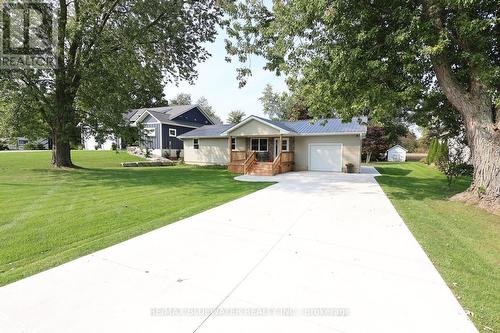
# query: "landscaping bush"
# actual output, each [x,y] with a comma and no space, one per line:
[431,155]
[114,146]
[4,145]
[34,146]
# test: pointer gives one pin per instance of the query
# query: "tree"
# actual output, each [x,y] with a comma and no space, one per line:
[235,116]
[182,99]
[409,141]
[385,58]
[203,103]
[375,143]
[433,150]
[276,106]
[109,56]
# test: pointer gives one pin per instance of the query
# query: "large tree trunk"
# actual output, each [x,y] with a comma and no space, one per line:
[484,143]
[474,101]
[61,152]
[483,135]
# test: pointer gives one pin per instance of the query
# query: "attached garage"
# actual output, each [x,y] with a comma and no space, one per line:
[325,157]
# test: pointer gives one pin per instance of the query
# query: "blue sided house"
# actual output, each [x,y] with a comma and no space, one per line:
[161,126]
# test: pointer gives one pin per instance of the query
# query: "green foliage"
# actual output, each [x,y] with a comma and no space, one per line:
[276,106]
[235,116]
[442,154]
[111,56]
[33,145]
[433,148]
[182,99]
[371,57]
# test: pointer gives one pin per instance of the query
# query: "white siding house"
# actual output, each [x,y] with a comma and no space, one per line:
[396,154]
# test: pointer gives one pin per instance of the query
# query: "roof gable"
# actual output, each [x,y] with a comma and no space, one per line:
[397,146]
[250,122]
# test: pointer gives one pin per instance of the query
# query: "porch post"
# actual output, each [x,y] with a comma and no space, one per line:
[229,149]
[281,144]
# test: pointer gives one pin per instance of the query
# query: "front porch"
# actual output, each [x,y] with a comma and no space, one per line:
[262,156]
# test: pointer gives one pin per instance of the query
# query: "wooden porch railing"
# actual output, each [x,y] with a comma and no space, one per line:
[239,155]
[249,162]
[277,164]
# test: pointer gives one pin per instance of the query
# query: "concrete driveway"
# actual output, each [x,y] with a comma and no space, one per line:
[317,252]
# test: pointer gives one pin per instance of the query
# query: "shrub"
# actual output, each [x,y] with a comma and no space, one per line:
[451,165]
[114,146]
[442,154]
[3,145]
[34,146]
[178,153]
[431,155]
[147,154]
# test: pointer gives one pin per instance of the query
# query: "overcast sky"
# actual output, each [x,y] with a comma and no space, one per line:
[217,82]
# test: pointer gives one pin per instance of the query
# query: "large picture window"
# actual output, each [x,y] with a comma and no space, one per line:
[259,145]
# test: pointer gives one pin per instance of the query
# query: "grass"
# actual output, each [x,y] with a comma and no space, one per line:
[50,216]
[462,241]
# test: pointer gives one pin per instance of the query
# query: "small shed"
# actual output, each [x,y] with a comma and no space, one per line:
[396,154]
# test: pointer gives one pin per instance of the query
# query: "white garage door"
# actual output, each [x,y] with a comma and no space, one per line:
[325,157]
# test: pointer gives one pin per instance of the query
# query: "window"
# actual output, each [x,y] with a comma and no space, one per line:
[285,145]
[259,144]
[233,143]
[172,132]
[196,144]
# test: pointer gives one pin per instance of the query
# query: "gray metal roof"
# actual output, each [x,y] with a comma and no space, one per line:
[206,131]
[300,127]
[331,125]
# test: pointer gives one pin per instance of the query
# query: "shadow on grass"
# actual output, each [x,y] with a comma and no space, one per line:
[413,188]
[395,171]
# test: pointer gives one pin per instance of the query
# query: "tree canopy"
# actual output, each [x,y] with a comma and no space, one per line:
[235,116]
[110,56]
[385,59]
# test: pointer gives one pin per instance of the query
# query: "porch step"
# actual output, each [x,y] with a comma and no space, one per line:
[262,169]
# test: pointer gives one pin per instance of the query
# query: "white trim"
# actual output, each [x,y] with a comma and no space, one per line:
[325,144]
[260,151]
[172,135]
[243,122]
[161,139]
[396,147]
[276,143]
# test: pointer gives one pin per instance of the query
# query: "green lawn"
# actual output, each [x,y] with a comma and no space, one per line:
[49,216]
[462,241]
